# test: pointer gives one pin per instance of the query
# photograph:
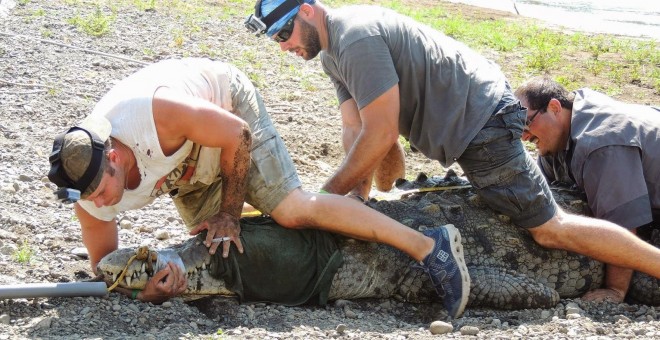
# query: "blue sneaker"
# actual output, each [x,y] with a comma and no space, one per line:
[446,267]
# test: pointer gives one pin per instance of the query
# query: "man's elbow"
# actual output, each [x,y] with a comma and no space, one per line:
[391,137]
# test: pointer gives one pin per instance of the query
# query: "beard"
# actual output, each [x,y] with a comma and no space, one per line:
[310,40]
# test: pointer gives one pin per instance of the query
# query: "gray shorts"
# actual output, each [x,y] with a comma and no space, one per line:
[504,174]
[272,175]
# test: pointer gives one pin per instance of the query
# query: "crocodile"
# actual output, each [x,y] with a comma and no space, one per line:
[508,269]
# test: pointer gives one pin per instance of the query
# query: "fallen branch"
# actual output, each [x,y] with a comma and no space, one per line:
[47,88]
[47,41]
[24,92]
[21,84]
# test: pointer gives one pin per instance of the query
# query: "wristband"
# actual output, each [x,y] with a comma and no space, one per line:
[358,197]
[321,191]
[135,293]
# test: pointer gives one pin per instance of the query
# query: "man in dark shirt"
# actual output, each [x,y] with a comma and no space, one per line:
[608,148]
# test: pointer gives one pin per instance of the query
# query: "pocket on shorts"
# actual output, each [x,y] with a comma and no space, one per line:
[515,122]
[268,161]
[503,200]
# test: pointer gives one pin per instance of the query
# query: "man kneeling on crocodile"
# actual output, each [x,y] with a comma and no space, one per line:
[161,130]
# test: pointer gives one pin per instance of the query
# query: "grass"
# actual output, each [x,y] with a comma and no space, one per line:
[24,253]
[617,62]
[96,24]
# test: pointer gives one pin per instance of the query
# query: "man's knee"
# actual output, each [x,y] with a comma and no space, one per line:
[550,234]
[293,212]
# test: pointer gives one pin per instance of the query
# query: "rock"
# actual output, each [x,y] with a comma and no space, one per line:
[25,178]
[145,229]
[5,319]
[341,328]
[167,304]
[125,224]
[622,319]
[10,189]
[440,327]
[162,235]
[80,252]
[573,310]
[4,234]
[42,323]
[133,307]
[8,249]
[469,330]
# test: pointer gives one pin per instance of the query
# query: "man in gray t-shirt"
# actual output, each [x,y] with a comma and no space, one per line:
[609,149]
[394,77]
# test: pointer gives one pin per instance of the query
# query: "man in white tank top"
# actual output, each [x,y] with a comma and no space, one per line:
[198,130]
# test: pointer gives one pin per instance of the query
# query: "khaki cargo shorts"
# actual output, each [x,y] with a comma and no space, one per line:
[272,175]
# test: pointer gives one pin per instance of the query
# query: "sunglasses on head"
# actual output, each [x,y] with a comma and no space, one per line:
[259,24]
[285,33]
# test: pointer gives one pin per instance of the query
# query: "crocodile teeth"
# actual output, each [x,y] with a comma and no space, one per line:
[128,281]
[144,267]
[114,277]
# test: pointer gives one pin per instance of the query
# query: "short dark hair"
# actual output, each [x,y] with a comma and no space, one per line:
[539,90]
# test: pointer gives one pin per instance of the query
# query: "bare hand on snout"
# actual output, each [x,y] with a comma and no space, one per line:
[219,226]
[166,283]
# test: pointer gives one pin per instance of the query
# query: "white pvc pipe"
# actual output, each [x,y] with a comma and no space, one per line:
[68,289]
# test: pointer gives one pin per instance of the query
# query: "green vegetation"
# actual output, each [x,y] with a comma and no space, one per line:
[525,49]
[145,5]
[96,24]
[24,253]
[46,33]
[522,46]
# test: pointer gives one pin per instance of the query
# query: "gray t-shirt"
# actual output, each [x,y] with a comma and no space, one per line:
[613,157]
[447,91]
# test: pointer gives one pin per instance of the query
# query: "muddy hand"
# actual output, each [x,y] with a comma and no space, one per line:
[222,228]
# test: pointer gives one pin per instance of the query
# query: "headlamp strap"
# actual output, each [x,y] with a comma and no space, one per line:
[58,175]
[278,12]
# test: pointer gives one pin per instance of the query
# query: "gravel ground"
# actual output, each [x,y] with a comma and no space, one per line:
[51,75]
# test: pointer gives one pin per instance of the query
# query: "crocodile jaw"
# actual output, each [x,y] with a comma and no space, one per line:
[193,254]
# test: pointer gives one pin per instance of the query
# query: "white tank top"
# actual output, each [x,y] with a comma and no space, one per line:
[128,107]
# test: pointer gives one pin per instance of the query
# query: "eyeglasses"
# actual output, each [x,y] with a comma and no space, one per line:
[529,120]
[285,33]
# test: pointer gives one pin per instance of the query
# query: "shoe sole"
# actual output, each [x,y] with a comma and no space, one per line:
[457,252]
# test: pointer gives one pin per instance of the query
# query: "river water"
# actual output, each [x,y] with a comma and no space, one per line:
[636,18]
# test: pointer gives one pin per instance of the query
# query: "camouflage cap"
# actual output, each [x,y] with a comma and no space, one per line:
[73,152]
